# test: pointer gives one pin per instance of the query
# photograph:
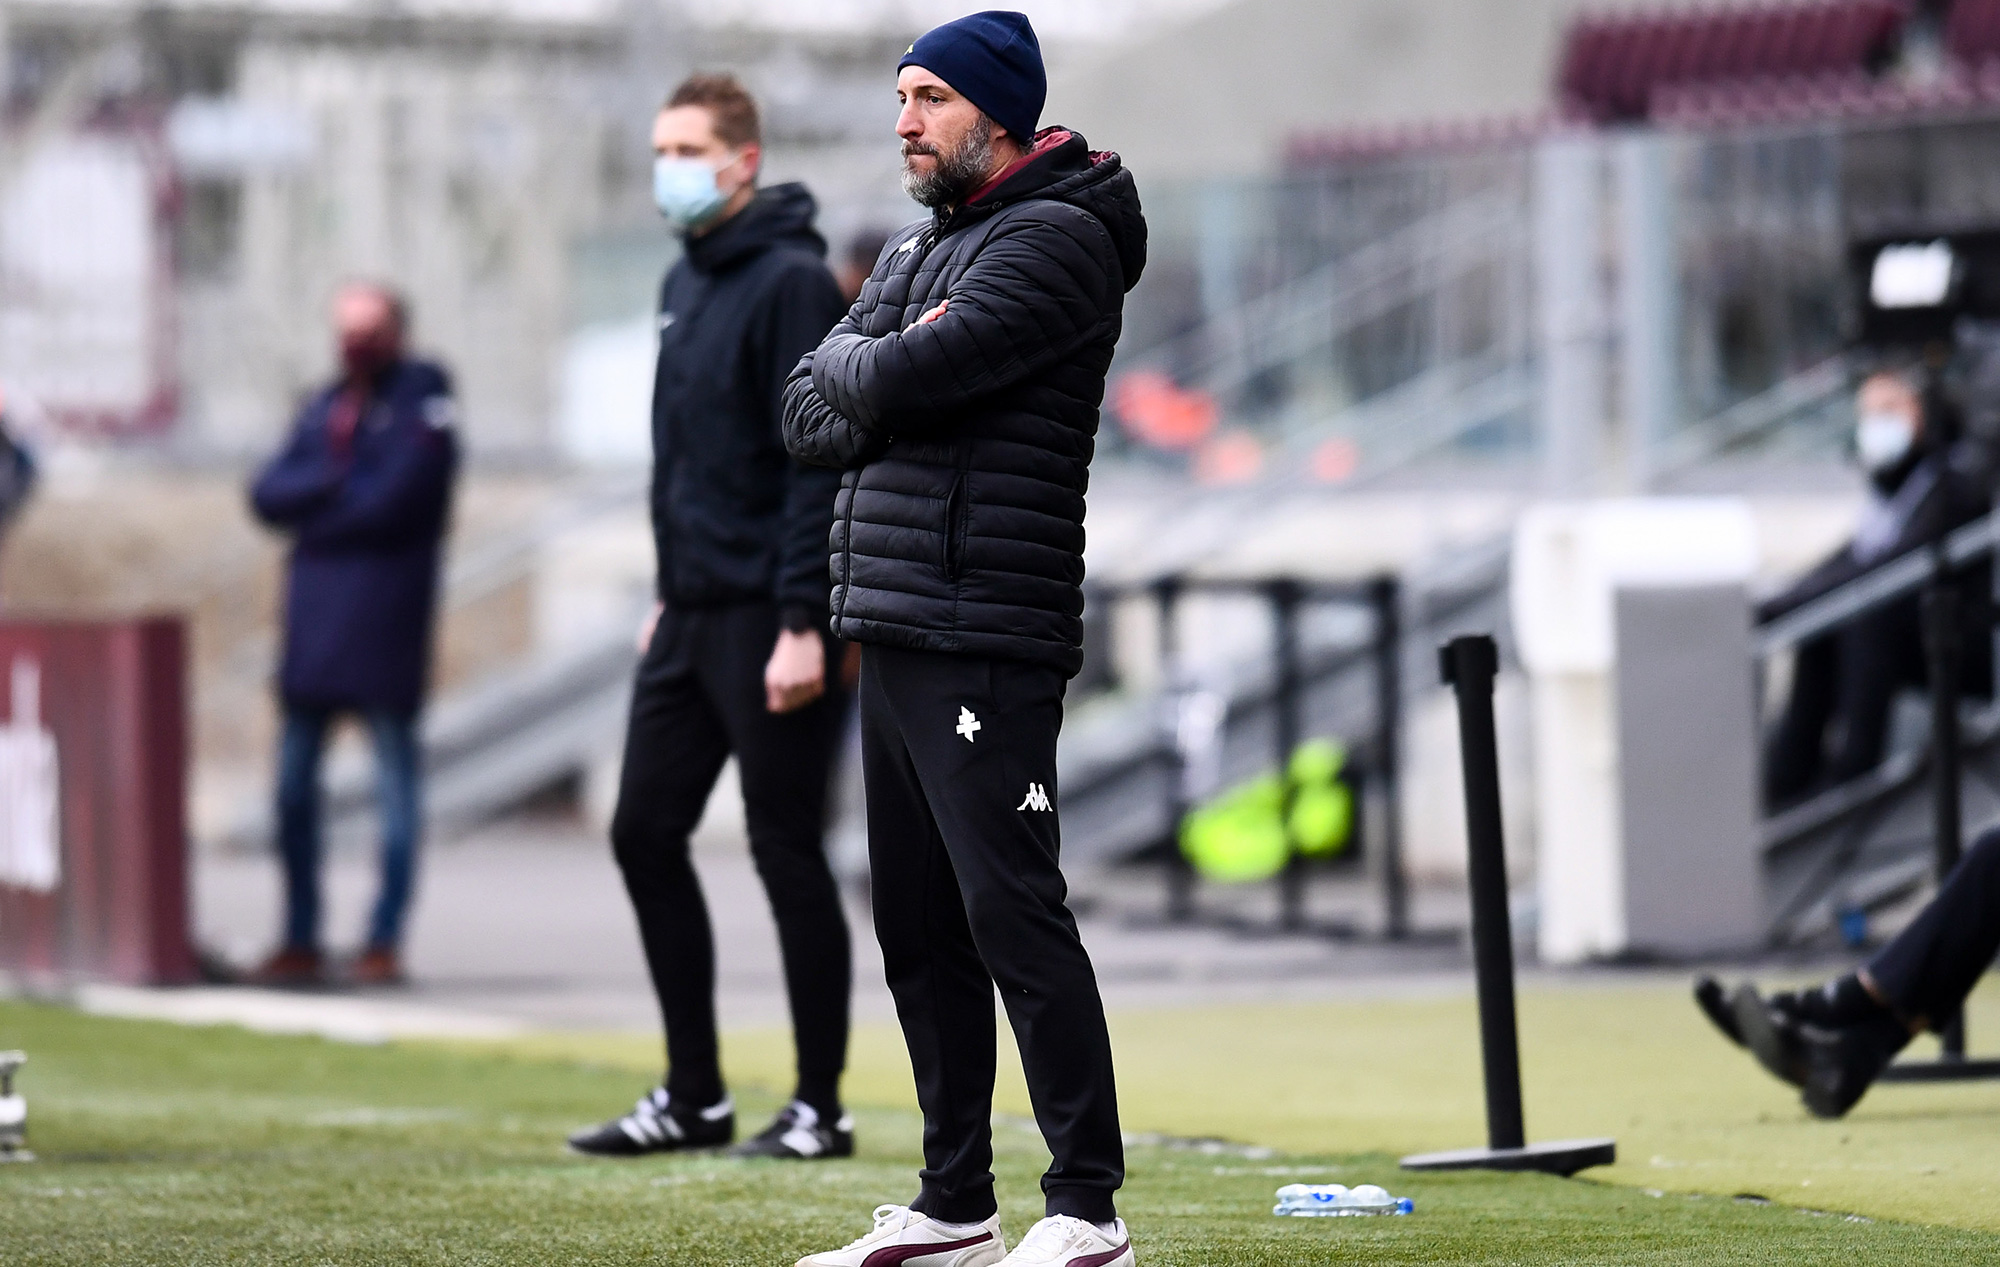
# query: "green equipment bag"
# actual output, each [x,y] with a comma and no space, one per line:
[1245,834]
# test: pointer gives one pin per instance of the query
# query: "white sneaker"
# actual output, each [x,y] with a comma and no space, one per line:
[905,1238]
[1062,1240]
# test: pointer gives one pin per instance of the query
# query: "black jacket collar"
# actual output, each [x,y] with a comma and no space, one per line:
[1062,167]
[778,215]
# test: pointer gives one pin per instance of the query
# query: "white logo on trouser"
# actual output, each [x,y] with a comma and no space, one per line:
[967,723]
[1036,799]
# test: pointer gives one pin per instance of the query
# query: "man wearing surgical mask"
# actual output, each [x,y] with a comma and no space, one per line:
[736,652]
[1836,722]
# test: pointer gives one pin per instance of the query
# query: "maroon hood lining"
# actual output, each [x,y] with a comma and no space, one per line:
[1045,140]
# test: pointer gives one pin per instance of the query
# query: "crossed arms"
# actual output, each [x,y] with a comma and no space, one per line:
[1037,290]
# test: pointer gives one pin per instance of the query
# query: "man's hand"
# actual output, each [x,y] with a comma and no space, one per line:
[796,674]
[648,625]
[934,313]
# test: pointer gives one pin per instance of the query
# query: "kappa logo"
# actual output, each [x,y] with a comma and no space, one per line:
[1036,799]
[968,725]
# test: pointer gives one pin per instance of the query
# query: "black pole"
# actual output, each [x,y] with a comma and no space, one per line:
[1385,595]
[1469,664]
[1941,644]
[1286,707]
[1180,872]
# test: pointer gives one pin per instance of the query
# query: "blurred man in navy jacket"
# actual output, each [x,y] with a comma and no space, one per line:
[364,487]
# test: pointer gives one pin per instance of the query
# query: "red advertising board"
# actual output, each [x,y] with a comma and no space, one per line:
[93,777]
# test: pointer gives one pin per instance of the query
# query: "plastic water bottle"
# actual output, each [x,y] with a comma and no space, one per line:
[1333,1200]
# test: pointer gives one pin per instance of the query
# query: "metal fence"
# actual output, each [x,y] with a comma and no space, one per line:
[1593,309]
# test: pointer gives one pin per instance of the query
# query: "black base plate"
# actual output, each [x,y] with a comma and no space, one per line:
[1557,1157]
[1941,1071]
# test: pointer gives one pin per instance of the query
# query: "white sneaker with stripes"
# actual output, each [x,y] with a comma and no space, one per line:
[1062,1240]
[902,1237]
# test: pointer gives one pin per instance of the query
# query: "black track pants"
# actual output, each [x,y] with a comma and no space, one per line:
[1928,968]
[698,697]
[959,757]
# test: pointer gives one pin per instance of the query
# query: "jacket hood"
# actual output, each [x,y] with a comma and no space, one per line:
[1061,166]
[780,215]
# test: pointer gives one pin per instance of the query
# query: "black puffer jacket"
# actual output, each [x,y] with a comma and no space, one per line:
[735,520]
[967,440]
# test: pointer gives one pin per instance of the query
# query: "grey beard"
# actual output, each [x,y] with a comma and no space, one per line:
[958,173]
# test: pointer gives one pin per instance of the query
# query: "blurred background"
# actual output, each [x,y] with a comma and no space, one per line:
[1416,265]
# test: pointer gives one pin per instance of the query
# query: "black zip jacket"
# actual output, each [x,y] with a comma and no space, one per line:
[735,520]
[966,441]
[1948,494]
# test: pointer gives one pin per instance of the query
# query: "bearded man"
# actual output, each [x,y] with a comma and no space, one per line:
[960,398]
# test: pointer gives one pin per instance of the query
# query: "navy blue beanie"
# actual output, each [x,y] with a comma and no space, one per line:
[993,60]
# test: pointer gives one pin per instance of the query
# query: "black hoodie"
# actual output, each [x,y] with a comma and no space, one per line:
[966,441]
[1930,494]
[735,520]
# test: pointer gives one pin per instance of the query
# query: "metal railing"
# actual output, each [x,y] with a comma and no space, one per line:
[1898,578]
[1194,721]
[1852,812]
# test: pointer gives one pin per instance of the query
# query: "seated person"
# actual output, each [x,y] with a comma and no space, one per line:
[1836,723]
[1834,1040]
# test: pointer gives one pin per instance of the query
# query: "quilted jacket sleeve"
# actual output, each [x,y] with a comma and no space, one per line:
[804,305]
[1041,286]
[815,432]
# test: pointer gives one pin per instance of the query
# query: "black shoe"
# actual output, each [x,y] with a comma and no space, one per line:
[656,1125]
[1770,1035]
[1714,1004]
[1842,1063]
[799,1134]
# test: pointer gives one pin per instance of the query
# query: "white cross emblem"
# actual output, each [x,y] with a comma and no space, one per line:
[1036,799]
[967,723]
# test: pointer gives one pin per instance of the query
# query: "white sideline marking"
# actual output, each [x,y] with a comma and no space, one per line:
[347,1020]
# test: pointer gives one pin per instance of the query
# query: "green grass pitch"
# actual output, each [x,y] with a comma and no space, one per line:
[163,1144]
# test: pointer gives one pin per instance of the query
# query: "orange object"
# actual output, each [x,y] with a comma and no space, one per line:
[1334,461]
[1158,411]
[1233,457]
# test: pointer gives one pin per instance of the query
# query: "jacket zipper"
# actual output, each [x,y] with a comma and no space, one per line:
[958,512]
[847,554]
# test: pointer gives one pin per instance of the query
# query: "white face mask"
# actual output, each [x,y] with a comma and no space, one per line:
[1883,440]
[687,191]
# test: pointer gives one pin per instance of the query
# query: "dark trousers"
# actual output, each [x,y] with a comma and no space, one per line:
[959,755]
[1929,968]
[698,697]
[1836,723]
[397,794]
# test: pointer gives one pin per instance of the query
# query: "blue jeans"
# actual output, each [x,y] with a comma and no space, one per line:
[299,827]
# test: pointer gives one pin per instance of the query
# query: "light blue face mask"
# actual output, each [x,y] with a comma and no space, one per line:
[1884,439]
[685,191]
